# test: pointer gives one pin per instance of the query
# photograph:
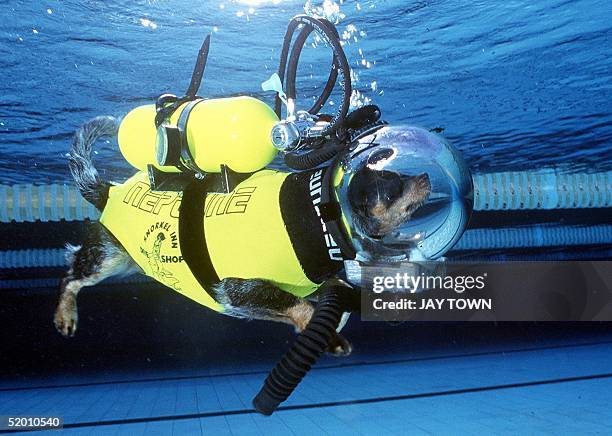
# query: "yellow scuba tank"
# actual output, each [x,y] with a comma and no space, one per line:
[231,131]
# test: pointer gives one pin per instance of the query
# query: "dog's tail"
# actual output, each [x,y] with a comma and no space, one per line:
[91,185]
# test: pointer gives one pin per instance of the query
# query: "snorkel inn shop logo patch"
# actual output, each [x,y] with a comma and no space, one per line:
[160,236]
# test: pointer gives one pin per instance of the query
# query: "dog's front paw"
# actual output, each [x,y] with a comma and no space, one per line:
[66,316]
[338,346]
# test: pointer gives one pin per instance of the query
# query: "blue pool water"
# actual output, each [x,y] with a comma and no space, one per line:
[515,85]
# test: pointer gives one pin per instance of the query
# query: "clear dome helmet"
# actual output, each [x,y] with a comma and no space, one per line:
[405,193]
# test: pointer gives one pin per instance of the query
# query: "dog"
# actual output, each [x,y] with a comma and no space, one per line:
[381,201]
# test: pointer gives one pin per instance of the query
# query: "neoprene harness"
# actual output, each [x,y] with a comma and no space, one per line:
[285,228]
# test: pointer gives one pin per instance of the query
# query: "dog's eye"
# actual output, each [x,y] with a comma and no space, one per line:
[390,192]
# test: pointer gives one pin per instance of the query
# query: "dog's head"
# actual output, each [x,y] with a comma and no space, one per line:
[383,200]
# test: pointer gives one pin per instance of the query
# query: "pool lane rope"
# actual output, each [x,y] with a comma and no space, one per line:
[46,203]
[542,190]
[528,190]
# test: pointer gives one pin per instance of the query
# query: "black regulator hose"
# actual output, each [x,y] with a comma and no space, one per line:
[298,45]
[304,352]
[293,24]
[328,32]
[316,157]
[282,67]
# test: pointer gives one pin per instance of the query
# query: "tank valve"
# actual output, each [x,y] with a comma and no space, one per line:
[286,135]
[290,135]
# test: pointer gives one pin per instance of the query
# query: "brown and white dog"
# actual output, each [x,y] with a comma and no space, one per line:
[382,201]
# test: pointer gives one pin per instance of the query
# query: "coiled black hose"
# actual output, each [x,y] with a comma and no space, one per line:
[284,57]
[298,45]
[340,66]
[304,352]
[315,157]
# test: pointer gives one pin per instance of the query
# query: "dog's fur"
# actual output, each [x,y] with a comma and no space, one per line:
[382,201]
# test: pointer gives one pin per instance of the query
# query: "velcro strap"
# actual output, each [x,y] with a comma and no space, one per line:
[192,235]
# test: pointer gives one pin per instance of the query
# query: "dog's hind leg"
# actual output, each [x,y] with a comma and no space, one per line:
[100,257]
[259,299]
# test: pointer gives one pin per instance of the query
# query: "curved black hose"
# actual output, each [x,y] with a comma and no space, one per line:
[327,31]
[327,90]
[282,67]
[304,352]
[314,157]
[283,62]
[298,45]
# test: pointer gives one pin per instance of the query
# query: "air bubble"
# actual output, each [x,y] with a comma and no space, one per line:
[148,23]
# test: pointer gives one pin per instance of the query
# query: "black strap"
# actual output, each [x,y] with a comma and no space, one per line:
[300,201]
[331,213]
[166,108]
[198,71]
[187,159]
[192,237]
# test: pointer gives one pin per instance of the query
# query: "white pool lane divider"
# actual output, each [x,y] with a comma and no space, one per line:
[31,203]
[546,189]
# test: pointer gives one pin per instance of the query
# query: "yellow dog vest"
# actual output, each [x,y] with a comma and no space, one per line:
[267,228]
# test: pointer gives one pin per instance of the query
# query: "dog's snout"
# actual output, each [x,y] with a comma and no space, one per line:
[419,185]
[423,182]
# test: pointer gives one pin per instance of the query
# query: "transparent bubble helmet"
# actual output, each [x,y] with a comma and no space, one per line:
[435,226]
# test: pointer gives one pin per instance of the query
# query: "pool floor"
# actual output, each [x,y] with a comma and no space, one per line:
[562,386]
